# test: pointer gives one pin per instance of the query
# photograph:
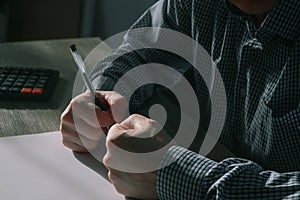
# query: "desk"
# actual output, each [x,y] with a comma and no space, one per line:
[18,118]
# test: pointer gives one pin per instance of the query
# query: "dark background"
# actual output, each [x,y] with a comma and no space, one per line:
[22,20]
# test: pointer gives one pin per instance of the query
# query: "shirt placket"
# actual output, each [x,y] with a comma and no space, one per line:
[248,52]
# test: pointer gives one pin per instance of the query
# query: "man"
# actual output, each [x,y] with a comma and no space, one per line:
[255,45]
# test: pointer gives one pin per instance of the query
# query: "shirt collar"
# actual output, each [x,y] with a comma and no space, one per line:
[235,10]
[282,21]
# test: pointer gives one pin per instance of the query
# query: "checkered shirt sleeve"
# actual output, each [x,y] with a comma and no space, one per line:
[193,177]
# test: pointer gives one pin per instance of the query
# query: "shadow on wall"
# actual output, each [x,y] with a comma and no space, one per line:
[115,16]
[51,19]
[2,21]
[48,19]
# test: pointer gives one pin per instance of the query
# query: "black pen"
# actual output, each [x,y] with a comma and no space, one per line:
[81,67]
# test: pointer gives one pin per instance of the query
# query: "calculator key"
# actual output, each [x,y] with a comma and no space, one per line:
[5,71]
[12,76]
[15,72]
[26,72]
[16,89]
[29,85]
[19,84]
[42,81]
[33,81]
[10,79]
[37,91]
[44,77]
[7,83]
[44,74]
[21,80]
[26,90]
[4,88]
[23,76]
[33,77]
[40,85]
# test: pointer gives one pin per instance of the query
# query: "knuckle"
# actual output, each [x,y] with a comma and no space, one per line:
[115,180]
[73,103]
[66,142]
[106,160]
[117,98]
[120,99]
[62,117]
[153,123]
[66,115]
[112,131]
[63,129]
[115,126]
[120,190]
[134,116]
[114,93]
[111,176]
[108,143]
[113,104]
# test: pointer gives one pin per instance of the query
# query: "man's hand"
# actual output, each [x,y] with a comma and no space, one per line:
[138,135]
[82,120]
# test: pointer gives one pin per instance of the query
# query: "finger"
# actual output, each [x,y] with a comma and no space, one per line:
[75,147]
[133,184]
[70,135]
[114,175]
[67,116]
[143,127]
[91,114]
[117,156]
[136,121]
[117,131]
[81,127]
[84,129]
[114,159]
[73,143]
[118,104]
[118,181]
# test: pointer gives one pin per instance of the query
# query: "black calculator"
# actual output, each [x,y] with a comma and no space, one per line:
[22,83]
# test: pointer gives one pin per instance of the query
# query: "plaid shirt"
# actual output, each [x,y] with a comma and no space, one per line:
[261,73]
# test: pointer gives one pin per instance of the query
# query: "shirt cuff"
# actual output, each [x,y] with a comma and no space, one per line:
[184,176]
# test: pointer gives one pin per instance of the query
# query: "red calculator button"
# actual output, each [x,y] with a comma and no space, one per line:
[26,90]
[37,91]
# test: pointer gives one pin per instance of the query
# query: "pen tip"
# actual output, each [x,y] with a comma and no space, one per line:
[73,47]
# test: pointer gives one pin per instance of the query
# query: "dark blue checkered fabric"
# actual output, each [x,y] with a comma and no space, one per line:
[260,67]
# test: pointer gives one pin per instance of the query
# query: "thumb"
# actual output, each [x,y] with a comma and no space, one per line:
[118,105]
[116,132]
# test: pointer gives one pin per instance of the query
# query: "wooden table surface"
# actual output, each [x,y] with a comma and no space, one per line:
[19,118]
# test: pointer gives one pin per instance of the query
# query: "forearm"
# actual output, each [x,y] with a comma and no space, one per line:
[192,176]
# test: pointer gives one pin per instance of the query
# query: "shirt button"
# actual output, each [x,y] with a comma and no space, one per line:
[243,92]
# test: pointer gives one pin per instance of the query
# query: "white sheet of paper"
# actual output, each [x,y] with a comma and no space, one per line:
[38,167]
